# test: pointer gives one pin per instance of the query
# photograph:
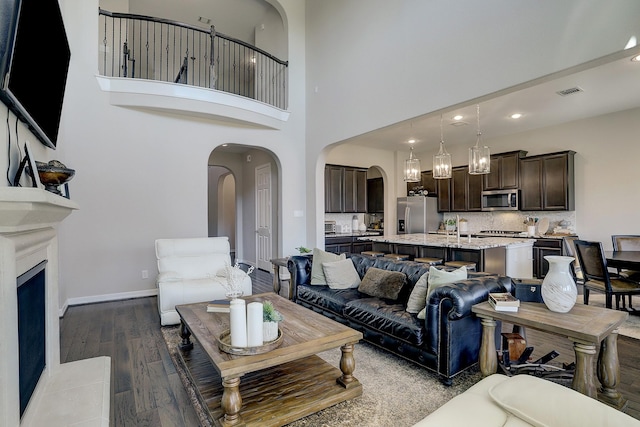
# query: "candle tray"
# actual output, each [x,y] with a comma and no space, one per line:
[224,344]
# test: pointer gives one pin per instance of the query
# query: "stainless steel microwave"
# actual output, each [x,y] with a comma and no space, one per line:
[500,200]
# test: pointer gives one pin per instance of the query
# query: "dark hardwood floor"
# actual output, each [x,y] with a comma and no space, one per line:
[148,391]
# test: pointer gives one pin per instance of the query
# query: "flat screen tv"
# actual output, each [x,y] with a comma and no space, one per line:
[34,61]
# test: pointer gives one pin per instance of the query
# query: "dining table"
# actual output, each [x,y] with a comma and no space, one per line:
[623,259]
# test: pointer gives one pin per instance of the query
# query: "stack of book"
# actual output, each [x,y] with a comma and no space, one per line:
[219,306]
[504,301]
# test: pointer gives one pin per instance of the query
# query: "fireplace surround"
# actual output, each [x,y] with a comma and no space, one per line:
[69,393]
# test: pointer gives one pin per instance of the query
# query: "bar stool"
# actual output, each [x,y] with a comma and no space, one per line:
[372,253]
[397,257]
[429,261]
[471,266]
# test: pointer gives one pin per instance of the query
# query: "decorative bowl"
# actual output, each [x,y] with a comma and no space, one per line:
[54,174]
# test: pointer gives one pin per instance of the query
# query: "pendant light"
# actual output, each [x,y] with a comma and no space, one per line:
[442,160]
[479,156]
[412,167]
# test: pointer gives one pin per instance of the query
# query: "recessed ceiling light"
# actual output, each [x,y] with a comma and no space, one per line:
[457,117]
[411,141]
[636,58]
[516,115]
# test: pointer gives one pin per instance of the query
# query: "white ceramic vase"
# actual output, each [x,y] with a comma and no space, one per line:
[269,331]
[559,291]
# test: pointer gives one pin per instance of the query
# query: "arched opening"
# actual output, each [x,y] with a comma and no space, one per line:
[243,192]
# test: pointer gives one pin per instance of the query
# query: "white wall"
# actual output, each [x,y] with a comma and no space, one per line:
[374,62]
[142,175]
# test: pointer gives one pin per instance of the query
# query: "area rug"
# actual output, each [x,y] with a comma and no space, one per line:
[395,392]
[630,328]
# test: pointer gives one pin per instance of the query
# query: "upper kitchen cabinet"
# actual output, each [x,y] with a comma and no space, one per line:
[345,189]
[466,190]
[547,183]
[427,182]
[355,190]
[375,195]
[444,194]
[333,189]
[505,171]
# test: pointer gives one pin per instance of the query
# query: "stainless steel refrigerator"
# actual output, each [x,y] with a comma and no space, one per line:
[418,214]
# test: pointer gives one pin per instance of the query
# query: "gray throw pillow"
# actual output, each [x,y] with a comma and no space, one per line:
[341,274]
[382,283]
[418,298]
[319,258]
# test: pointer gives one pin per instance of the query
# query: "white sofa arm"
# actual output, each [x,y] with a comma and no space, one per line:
[168,276]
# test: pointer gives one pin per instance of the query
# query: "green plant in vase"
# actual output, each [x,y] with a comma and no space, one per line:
[270,319]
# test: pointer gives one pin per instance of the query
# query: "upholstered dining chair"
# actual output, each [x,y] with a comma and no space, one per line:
[193,270]
[597,276]
[627,242]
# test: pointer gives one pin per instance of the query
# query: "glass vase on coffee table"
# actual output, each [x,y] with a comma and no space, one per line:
[233,284]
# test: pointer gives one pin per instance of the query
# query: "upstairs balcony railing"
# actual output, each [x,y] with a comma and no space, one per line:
[136,46]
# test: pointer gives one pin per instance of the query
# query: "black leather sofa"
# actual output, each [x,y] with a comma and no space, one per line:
[446,342]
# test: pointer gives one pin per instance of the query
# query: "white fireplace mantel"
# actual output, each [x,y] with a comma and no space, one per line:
[23,209]
[28,235]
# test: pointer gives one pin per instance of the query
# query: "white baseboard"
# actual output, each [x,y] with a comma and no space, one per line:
[106,297]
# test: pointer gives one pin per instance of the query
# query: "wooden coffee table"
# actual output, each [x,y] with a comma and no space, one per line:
[273,388]
[586,326]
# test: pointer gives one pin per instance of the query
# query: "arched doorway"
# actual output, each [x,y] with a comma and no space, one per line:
[243,201]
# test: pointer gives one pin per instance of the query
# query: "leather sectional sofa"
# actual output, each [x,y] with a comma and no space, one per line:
[447,341]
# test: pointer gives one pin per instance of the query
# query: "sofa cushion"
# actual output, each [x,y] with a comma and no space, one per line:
[341,274]
[333,300]
[317,270]
[382,283]
[386,317]
[545,403]
[418,297]
[437,278]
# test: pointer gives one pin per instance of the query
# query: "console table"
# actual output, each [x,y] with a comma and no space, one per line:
[586,326]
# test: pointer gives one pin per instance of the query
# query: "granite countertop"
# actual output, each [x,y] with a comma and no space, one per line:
[422,239]
[354,234]
[515,236]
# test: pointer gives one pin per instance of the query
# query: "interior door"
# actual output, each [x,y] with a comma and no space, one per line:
[263,217]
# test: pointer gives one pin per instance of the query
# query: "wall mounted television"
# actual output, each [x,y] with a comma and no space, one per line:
[34,62]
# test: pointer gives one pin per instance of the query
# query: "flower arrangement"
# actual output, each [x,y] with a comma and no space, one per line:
[270,314]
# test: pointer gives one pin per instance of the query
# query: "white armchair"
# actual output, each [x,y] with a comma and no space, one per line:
[192,270]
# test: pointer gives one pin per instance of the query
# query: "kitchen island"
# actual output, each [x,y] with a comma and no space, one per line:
[500,255]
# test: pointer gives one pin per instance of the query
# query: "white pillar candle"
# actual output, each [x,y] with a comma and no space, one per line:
[254,324]
[238,320]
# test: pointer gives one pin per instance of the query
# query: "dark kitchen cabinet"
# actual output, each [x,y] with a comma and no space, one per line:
[542,248]
[505,171]
[444,194]
[375,195]
[345,189]
[427,182]
[547,182]
[355,190]
[466,190]
[346,244]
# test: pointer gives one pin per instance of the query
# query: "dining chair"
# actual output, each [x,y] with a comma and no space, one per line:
[597,276]
[627,242]
[570,250]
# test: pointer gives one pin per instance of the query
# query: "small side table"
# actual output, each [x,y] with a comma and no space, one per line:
[277,281]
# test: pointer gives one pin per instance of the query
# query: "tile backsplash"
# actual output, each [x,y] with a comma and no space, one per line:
[514,221]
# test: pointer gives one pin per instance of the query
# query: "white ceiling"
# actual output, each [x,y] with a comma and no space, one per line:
[608,85]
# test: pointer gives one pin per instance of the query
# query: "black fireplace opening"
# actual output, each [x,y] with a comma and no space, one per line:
[31,330]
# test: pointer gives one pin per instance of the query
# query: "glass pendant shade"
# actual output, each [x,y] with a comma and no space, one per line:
[479,156]
[479,160]
[442,163]
[412,168]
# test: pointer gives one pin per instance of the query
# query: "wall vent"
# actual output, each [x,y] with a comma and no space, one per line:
[570,91]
